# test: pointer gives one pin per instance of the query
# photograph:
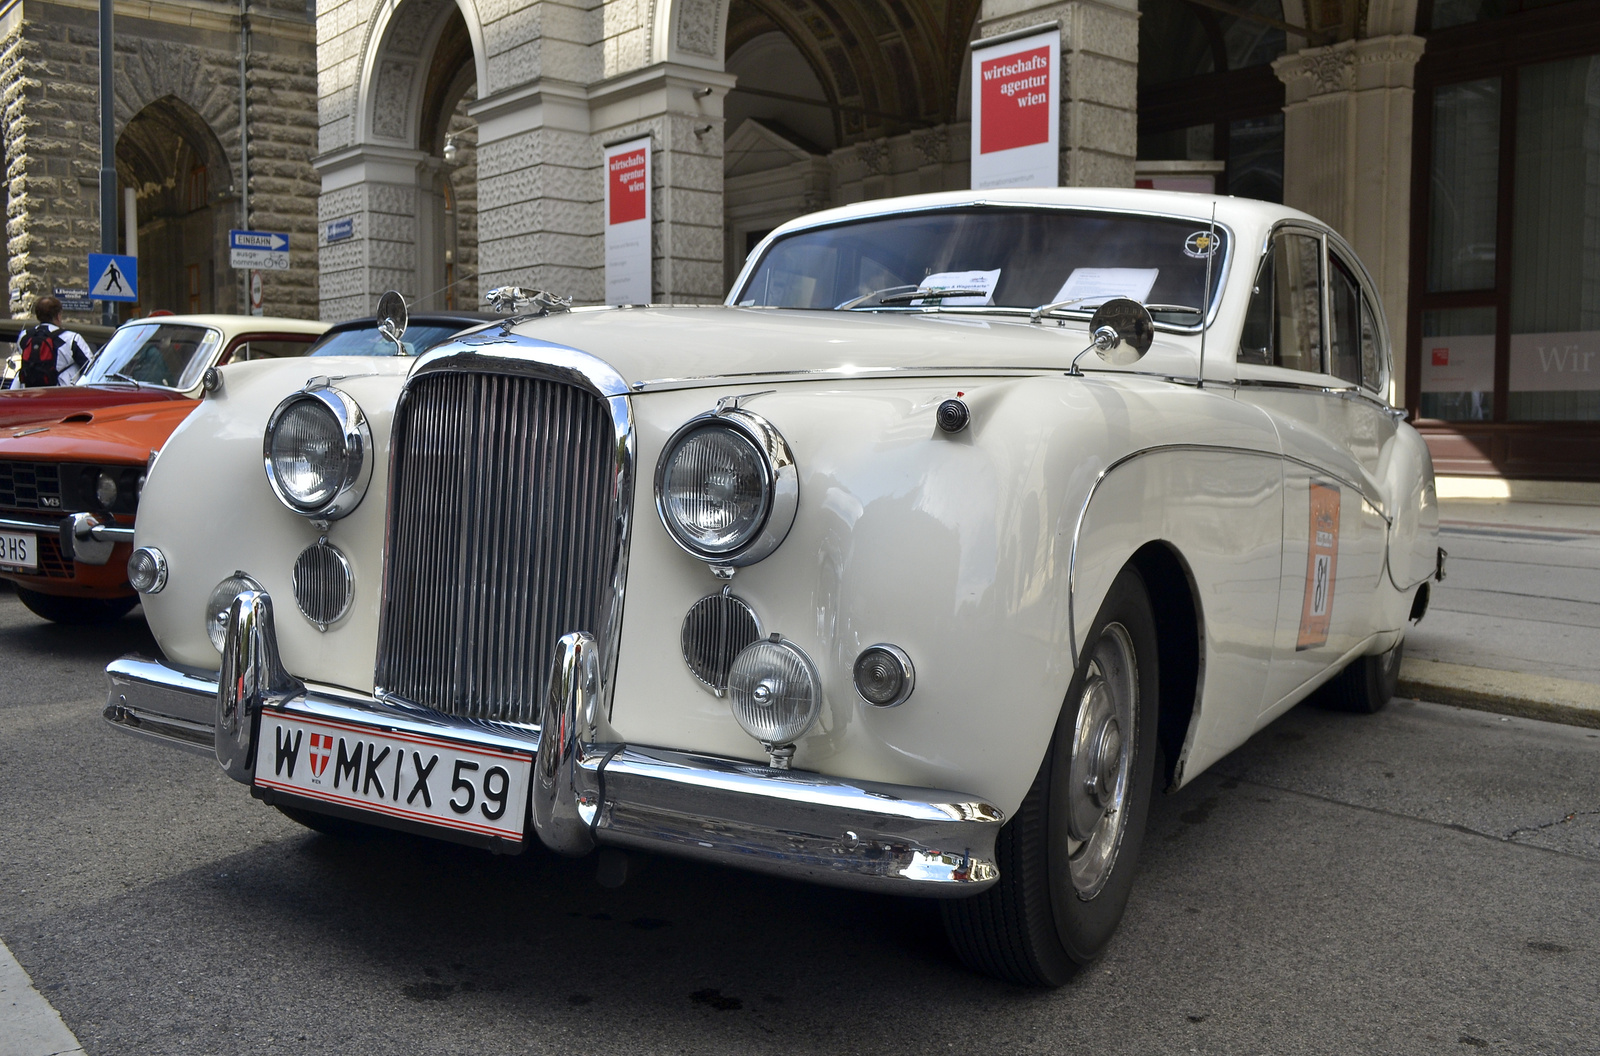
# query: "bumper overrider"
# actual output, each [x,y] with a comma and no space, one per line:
[85,537]
[586,790]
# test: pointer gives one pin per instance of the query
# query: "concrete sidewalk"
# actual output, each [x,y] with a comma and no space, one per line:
[1515,626]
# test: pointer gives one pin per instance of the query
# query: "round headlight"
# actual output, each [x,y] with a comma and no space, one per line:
[774,690]
[220,601]
[105,490]
[147,570]
[884,676]
[316,449]
[726,487]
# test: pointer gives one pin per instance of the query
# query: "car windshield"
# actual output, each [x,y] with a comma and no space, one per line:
[1000,257]
[366,341]
[173,355]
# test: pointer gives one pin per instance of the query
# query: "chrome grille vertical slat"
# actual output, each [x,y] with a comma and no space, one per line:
[502,538]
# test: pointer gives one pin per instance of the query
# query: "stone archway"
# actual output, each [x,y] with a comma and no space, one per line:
[172,160]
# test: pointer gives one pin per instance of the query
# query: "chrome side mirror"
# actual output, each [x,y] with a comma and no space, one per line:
[1129,321]
[1122,333]
[392,319]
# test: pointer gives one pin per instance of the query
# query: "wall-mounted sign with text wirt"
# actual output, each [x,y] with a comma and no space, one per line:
[1016,111]
[628,217]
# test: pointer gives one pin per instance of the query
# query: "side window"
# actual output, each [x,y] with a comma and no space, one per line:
[1283,327]
[1255,340]
[1344,331]
[1374,365]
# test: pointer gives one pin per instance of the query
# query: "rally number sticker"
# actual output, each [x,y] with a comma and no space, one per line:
[1322,566]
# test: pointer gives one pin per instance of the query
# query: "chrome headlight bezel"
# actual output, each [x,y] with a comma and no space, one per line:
[780,481]
[357,436]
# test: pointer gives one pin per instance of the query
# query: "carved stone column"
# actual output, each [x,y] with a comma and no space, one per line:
[1347,154]
[1099,81]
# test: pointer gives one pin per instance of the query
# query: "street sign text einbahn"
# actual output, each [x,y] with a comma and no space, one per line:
[266,250]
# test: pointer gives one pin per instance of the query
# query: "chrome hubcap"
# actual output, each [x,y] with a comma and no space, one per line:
[1102,756]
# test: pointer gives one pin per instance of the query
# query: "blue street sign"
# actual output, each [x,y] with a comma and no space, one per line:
[73,300]
[339,230]
[264,250]
[113,277]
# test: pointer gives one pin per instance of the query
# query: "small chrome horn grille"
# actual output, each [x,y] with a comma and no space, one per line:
[323,584]
[714,630]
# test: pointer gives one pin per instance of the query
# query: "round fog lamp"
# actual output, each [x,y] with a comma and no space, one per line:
[220,602]
[884,676]
[147,570]
[105,490]
[774,691]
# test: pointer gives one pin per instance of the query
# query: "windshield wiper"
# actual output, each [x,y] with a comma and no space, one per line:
[1045,309]
[123,377]
[847,305]
[930,295]
[906,294]
[1184,308]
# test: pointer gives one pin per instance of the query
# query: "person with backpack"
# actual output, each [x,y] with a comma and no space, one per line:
[51,355]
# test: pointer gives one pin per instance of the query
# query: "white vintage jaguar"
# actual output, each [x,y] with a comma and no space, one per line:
[969,522]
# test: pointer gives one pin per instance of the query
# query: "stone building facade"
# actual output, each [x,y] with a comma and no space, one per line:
[554,82]
[179,163]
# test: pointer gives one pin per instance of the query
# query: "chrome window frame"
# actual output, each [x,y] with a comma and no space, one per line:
[501,351]
[1220,273]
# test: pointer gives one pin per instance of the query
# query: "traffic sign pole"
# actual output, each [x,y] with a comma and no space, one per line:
[108,149]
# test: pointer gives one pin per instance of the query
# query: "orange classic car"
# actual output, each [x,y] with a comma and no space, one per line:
[73,458]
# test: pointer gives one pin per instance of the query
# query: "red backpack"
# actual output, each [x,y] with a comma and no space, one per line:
[39,346]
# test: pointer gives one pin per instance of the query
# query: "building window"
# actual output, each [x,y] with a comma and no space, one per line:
[1509,313]
[196,192]
[1207,91]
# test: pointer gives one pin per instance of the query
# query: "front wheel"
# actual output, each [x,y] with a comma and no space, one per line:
[76,612]
[1067,858]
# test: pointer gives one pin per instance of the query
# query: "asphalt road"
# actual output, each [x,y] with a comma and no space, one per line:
[1421,881]
[1522,593]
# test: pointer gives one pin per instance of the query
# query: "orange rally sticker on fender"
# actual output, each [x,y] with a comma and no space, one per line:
[1322,566]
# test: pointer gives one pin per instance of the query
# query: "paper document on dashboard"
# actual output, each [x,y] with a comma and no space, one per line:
[1095,285]
[961,280]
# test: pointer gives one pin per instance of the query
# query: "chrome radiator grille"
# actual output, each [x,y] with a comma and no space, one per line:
[502,528]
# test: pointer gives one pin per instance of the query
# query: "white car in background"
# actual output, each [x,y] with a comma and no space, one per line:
[967,524]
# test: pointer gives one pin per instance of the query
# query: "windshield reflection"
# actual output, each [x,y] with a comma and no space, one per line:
[169,355]
[1000,258]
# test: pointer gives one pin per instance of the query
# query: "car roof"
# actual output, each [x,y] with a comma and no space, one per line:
[237,324]
[1229,210]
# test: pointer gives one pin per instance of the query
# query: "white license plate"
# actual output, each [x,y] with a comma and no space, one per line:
[403,775]
[19,550]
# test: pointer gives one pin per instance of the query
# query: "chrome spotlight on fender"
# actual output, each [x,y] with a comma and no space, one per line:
[776,695]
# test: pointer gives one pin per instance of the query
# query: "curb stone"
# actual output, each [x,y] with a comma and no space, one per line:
[1505,692]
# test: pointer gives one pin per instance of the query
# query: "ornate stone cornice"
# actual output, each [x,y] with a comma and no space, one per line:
[1350,66]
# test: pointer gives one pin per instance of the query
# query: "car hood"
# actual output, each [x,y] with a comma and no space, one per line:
[110,434]
[57,402]
[658,347]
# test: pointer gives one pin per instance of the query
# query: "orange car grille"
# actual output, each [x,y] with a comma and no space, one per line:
[30,486]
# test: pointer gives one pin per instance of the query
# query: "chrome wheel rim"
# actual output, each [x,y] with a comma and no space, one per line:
[1104,734]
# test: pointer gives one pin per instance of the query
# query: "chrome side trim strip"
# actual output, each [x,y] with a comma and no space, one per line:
[1083,511]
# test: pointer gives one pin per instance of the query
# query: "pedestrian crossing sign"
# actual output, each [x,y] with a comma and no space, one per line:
[113,277]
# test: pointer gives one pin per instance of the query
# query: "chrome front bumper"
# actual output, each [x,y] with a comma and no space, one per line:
[588,791]
[84,536]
